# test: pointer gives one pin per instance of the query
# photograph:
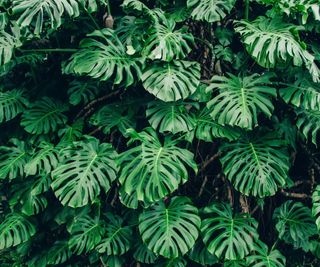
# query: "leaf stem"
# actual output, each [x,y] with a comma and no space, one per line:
[246,9]
[108,8]
[47,50]
[275,244]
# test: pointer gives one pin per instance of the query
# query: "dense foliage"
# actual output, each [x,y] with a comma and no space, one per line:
[160,133]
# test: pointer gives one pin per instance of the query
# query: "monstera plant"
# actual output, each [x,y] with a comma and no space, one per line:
[160,133]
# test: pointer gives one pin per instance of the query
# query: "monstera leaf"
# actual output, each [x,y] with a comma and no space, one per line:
[44,160]
[88,167]
[295,224]
[103,57]
[263,257]
[210,10]
[172,81]
[43,116]
[37,12]
[12,103]
[240,100]
[272,42]
[117,237]
[33,204]
[170,230]
[316,205]
[58,253]
[296,8]
[14,230]
[144,255]
[228,236]
[208,129]
[85,234]
[256,166]
[81,91]
[166,43]
[309,123]
[152,170]
[8,43]
[302,93]
[200,254]
[114,116]
[175,117]
[13,160]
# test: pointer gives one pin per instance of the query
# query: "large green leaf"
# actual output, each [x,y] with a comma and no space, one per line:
[82,91]
[295,224]
[316,205]
[43,160]
[85,234]
[308,123]
[88,167]
[32,204]
[228,236]
[296,8]
[14,230]
[207,129]
[12,103]
[173,117]
[151,169]
[200,254]
[272,42]
[256,166]
[240,99]
[172,81]
[114,116]
[117,238]
[58,253]
[37,12]
[8,43]
[210,10]
[103,57]
[44,116]
[166,43]
[170,230]
[302,93]
[13,159]
[144,255]
[262,256]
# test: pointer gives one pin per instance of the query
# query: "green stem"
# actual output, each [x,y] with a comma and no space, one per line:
[108,8]
[275,244]
[47,50]
[91,17]
[246,10]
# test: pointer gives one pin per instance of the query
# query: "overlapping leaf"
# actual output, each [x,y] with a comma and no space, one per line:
[103,56]
[151,169]
[228,236]
[88,168]
[172,81]
[240,100]
[170,230]
[256,166]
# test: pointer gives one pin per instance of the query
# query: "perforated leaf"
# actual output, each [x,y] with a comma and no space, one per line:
[210,10]
[103,56]
[12,103]
[170,230]
[151,169]
[256,166]
[226,235]
[117,237]
[241,99]
[14,230]
[88,168]
[172,81]
[44,116]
